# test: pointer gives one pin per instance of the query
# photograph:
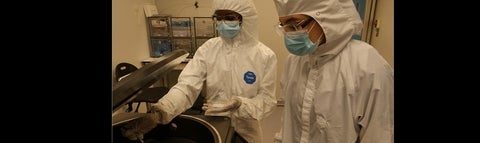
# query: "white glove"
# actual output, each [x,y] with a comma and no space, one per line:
[134,130]
[218,108]
[278,137]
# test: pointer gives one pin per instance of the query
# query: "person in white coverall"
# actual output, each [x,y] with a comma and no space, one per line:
[240,74]
[336,89]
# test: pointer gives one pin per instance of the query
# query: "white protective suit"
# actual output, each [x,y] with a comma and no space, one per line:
[241,67]
[343,91]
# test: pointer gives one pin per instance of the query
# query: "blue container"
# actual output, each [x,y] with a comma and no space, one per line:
[160,47]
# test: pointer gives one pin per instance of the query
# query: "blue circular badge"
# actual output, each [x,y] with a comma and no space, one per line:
[249,77]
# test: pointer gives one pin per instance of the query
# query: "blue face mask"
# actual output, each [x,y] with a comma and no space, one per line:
[228,29]
[298,42]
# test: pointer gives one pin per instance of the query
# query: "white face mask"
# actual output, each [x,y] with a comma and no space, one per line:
[228,29]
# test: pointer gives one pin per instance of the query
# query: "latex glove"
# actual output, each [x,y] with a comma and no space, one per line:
[278,137]
[218,108]
[134,130]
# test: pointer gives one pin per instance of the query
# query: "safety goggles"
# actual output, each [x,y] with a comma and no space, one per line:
[229,17]
[292,27]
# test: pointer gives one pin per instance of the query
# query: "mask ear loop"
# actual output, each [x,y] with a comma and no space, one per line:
[319,38]
[311,28]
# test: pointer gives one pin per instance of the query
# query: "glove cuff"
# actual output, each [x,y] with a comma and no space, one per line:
[236,103]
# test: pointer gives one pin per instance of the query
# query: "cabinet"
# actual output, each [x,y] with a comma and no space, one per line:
[159,35]
[167,33]
[181,34]
[204,29]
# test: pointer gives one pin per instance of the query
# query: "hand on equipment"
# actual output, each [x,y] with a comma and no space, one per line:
[134,130]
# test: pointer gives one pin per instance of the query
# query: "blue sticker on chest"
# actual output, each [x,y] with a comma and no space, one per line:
[249,77]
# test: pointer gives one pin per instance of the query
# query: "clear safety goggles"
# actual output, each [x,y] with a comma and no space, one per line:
[229,17]
[229,23]
[292,27]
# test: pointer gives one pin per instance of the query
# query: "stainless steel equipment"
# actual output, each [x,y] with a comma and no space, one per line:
[183,128]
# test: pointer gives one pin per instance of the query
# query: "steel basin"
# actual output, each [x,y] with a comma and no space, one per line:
[182,129]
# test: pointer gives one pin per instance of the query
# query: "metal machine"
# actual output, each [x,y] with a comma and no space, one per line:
[183,128]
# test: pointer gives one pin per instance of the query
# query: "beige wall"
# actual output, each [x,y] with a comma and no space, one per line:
[268,18]
[129,36]
[185,8]
[129,32]
[384,41]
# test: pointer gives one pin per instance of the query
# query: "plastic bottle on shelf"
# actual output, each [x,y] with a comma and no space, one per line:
[186,28]
[165,47]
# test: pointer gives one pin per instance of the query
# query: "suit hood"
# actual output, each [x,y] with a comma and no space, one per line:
[338,18]
[249,28]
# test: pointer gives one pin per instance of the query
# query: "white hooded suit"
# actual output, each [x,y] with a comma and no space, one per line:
[343,91]
[241,67]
